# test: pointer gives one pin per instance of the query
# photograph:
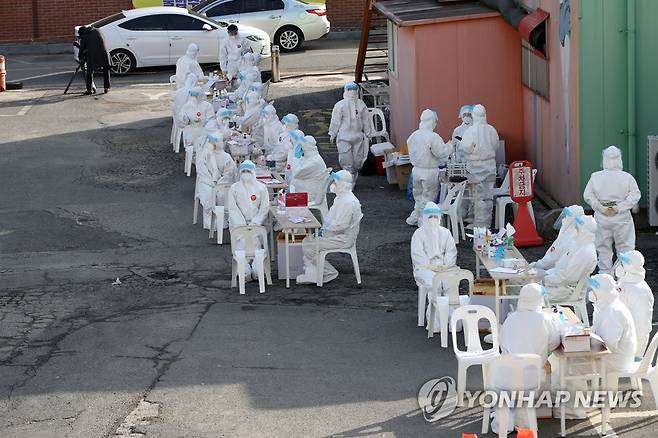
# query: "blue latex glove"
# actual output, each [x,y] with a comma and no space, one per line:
[299,153]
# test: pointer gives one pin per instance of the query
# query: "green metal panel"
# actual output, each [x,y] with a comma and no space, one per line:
[603,81]
[647,85]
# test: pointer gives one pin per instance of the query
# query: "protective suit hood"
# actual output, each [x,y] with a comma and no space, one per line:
[465,109]
[479,114]
[531,298]
[291,121]
[309,144]
[612,159]
[250,168]
[605,290]
[343,181]
[631,268]
[350,90]
[569,214]
[586,229]
[192,51]
[428,120]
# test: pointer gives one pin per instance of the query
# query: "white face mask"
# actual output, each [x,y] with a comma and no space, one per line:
[352,94]
[467,120]
[434,222]
[245,177]
[332,188]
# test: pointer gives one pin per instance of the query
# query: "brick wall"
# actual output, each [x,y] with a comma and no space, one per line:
[345,14]
[56,18]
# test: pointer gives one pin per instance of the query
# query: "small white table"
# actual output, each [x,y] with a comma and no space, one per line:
[289,228]
[501,280]
[596,356]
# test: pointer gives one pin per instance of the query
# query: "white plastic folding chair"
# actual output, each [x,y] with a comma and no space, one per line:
[218,218]
[447,281]
[351,251]
[451,208]
[580,303]
[172,82]
[503,200]
[323,207]
[378,132]
[470,315]
[644,370]
[251,238]
[513,372]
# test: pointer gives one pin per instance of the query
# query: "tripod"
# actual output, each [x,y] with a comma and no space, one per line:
[81,66]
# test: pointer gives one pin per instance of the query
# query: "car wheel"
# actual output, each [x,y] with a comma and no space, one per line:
[289,39]
[122,62]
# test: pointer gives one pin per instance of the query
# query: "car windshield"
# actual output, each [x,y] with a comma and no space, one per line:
[203,17]
[107,20]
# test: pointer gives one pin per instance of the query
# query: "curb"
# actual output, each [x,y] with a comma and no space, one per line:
[343,35]
[35,48]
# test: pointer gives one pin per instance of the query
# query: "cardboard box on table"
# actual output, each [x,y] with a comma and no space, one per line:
[484,294]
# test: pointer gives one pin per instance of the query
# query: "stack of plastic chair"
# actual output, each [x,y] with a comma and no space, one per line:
[251,238]
[470,317]
[513,372]
[447,281]
[451,208]
[503,199]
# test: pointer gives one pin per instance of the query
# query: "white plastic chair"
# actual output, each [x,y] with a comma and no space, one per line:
[218,218]
[172,82]
[189,159]
[470,315]
[451,207]
[503,200]
[447,281]
[250,236]
[351,251]
[323,208]
[580,304]
[645,369]
[265,89]
[378,131]
[513,372]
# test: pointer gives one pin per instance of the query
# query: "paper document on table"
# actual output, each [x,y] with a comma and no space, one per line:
[268,180]
[502,270]
[209,84]
[298,219]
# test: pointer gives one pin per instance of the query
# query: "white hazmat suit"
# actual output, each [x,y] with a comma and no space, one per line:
[458,133]
[350,128]
[180,98]
[528,330]
[426,150]
[248,203]
[565,238]
[188,64]
[214,167]
[432,247]
[479,145]
[636,296]
[577,262]
[254,105]
[310,174]
[284,142]
[612,193]
[272,129]
[339,231]
[194,115]
[231,49]
[613,322]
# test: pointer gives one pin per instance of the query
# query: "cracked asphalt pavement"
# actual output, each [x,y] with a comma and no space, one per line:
[92,194]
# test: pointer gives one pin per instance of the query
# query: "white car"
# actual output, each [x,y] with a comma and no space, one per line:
[148,37]
[288,22]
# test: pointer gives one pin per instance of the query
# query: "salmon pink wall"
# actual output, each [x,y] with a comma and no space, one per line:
[543,122]
[458,62]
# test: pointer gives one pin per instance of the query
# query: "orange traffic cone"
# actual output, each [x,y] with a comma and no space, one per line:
[525,433]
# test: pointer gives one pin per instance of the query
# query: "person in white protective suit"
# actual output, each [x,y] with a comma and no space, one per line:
[254,104]
[310,174]
[528,330]
[188,64]
[272,128]
[565,238]
[251,77]
[612,193]
[285,143]
[576,263]
[350,128]
[458,133]
[613,322]
[339,230]
[249,62]
[248,203]
[636,296]
[180,98]
[214,169]
[231,49]
[479,145]
[194,115]
[426,150]
[224,119]
[432,247]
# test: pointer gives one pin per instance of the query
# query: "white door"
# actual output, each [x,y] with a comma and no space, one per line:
[185,29]
[228,11]
[147,38]
[262,14]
